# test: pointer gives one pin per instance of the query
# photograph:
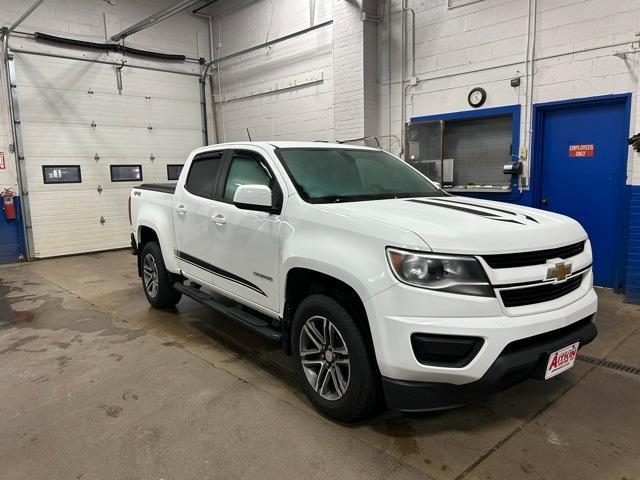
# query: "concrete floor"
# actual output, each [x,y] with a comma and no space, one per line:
[95,384]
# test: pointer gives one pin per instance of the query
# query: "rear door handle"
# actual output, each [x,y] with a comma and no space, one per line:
[219,219]
[181,210]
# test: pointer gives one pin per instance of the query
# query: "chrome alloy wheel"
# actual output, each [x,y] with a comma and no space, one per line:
[150,275]
[325,358]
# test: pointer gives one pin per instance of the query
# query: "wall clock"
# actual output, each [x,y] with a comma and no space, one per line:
[477,97]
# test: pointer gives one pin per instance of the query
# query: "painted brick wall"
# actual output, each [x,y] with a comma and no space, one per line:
[484,44]
[632,289]
[355,65]
[284,91]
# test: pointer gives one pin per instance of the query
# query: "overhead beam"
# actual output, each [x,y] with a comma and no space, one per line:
[24,16]
[155,18]
[271,42]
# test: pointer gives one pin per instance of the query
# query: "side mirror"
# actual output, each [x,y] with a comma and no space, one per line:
[438,184]
[253,197]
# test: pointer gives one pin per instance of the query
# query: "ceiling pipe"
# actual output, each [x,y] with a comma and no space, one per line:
[155,18]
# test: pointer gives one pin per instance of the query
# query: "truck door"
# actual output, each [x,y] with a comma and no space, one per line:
[192,216]
[246,242]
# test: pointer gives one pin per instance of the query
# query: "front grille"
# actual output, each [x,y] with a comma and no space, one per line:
[518,297]
[540,257]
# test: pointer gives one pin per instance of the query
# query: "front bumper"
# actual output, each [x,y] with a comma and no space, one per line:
[401,311]
[518,361]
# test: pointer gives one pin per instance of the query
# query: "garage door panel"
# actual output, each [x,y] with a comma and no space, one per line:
[40,105]
[160,85]
[71,75]
[173,114]
[57,113]
[108,141]
[61,140]
[64,75]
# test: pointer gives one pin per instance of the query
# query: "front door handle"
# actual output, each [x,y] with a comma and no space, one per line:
[181,210]
[219,219]
[545,201]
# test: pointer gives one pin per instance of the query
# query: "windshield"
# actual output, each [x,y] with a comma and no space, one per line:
[324,175]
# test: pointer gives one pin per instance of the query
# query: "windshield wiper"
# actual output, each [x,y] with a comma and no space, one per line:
[332,199]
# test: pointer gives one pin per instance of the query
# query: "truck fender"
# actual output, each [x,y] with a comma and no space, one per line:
[164,231]
[320,267]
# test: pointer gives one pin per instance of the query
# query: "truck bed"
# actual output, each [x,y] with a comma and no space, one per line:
[158,187]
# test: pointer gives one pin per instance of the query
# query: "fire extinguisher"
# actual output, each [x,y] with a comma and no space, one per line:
[8,206]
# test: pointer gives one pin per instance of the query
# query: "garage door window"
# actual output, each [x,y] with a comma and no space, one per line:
[126,173]
[61,174]
[203,175]
[463,154]
[173,171]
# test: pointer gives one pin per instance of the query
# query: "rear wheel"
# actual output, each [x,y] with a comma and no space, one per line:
[333,363]
[157,282]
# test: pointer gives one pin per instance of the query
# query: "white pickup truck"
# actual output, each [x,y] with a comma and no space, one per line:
[382,286]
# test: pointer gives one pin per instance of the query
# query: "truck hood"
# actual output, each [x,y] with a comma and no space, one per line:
[467,225]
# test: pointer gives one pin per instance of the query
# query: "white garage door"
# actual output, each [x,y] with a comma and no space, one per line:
[154,123]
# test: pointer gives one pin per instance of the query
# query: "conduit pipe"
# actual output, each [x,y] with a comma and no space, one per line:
[215,62]
[404,88]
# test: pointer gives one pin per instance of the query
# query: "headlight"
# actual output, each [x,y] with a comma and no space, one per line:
[445,273]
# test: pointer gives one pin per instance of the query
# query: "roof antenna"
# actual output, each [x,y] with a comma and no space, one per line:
[249,134]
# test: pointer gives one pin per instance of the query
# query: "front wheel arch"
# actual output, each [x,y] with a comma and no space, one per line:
[303,282]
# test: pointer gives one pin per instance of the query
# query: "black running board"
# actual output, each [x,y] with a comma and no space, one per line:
[246,319]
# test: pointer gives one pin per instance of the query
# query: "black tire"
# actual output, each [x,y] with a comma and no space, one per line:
[163,295]
[361,396]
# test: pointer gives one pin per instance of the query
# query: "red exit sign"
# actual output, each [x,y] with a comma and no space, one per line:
[584,150]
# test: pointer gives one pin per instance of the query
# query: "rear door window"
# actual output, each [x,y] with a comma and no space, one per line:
[203,174]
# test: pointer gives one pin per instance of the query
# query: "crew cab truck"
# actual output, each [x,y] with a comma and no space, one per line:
[381,285]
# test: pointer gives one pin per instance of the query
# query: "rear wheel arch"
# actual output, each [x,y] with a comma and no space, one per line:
[152,232]
[145,235]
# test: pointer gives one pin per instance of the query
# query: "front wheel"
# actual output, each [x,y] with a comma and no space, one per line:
[157,282]
[333,362]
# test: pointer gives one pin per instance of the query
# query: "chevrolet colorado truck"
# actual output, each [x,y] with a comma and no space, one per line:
[382,286]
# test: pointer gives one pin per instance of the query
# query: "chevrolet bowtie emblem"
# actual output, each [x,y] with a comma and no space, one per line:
[558,271]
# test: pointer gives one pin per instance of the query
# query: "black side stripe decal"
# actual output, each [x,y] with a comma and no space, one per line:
[453,207]
[508,220]
[218,271]
[487,215]
[488,208]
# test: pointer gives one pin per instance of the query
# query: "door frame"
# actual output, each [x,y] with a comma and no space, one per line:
[538,112]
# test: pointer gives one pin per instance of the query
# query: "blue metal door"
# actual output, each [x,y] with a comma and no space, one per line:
[582,155]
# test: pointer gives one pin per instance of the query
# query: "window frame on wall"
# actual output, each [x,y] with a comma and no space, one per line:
[53,167]
[477,114]
[174,165]
[119,165]
[451,4]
